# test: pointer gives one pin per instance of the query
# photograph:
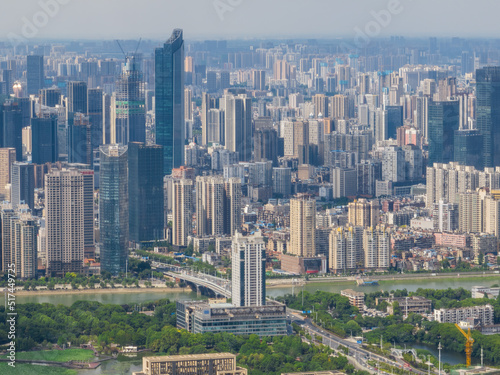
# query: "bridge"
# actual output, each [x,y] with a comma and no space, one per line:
[400,352]
[221,287]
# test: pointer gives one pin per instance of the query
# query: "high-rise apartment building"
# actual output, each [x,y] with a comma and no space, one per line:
[266,146]
[7,158]
[181,211]
[282,182]
[113,208]
[145,170]
[376,248]
[248,260]
[302,227]
[64,222]
[169,101]
[232,205]
[346,249]
[363,213]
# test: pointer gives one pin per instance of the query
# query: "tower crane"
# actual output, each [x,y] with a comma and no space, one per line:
[468,344]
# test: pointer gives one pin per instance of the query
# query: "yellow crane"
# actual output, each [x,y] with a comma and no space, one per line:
[468,344]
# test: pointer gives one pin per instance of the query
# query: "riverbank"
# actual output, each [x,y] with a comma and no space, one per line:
[351,280]
[101,291]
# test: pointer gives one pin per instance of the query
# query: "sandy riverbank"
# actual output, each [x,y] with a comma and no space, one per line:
[101,291]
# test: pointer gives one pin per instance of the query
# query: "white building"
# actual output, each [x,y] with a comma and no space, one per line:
[484,313]
[248,258]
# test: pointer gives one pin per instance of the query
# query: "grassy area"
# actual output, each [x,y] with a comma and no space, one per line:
[58,355]
[24,369]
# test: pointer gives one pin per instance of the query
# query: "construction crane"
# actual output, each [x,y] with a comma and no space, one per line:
[468,344]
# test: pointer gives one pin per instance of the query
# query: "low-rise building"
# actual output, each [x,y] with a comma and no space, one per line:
[355,298]
[484,313]
[196,364]
[408,305]
[202,317]
[303,265]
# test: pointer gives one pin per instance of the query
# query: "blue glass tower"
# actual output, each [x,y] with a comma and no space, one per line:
[44,140]
[113,208]
[169,96]
[443,121]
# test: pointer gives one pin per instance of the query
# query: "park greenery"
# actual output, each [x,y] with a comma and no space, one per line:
[45,325]
[333,312]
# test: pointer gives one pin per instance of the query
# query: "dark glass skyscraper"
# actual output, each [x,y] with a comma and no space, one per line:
[34,74]
[130,103]
[113,208]
[394,119]
[169,97]
[443,121]
[79,139]
[469,148]
[44,140]
[145,168]
[11,127]
[488,113]
[23,184]
[77,97]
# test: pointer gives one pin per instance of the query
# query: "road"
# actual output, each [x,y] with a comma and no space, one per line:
[360,355]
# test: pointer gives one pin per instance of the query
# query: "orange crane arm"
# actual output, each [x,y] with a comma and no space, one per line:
[463,332]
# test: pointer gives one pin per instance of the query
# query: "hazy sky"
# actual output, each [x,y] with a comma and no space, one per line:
[201,19]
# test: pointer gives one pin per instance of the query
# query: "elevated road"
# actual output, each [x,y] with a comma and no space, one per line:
[221,287]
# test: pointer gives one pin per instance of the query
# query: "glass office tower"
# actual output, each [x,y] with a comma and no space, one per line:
[488,113]
[113,208]
[443,121]
[169,96]
[145,168]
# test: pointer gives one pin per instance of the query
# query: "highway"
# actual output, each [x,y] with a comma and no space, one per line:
[355,350]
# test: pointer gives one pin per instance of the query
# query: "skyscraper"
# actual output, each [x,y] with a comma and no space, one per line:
[22,184]
[238,125]
[64,221]
[169,99]
[34,74]
[7,158]
[95,114]
[77,97]
[282,182]
[248,260]
[50,97]
[468,147]
[209,206]
[145,168]
[232,205]
[44,140]
[266,146]
[130,109]
[79,139]
[11,127]
[443,121]
[113,208]
[302,227]
[488,113]
[181,211]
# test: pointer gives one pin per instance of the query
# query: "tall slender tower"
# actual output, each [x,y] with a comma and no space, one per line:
[302,227]
[113,208]
[145,169]
[7,158]
[238,125]
[35,75]
[488,113]
[248,260]
[181,208]
[169,101]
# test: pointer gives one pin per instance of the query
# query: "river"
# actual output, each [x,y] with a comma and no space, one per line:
[329,286]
